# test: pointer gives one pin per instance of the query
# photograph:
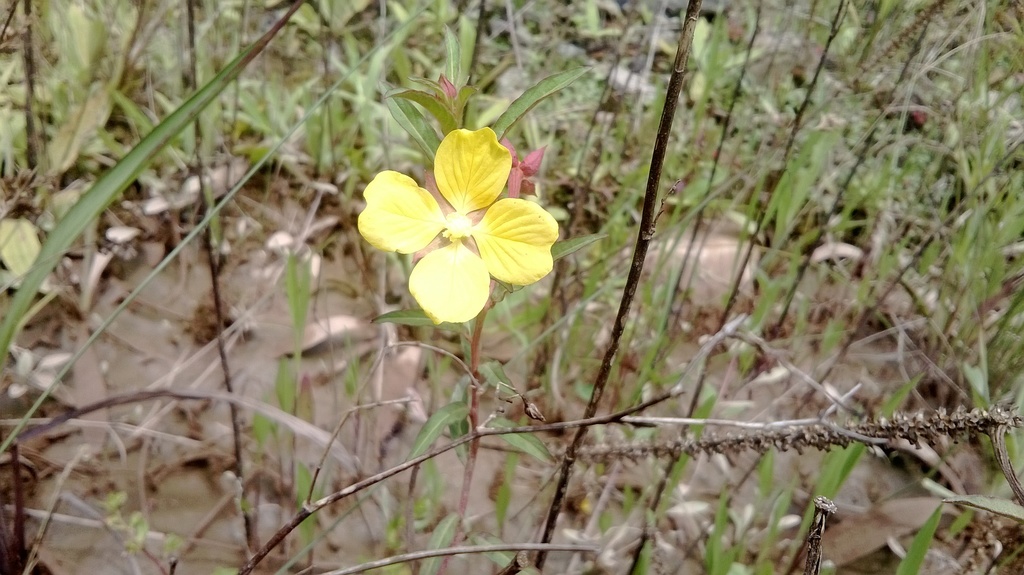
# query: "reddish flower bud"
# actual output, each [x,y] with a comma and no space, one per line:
[449,89]
[531,163]
[518,179]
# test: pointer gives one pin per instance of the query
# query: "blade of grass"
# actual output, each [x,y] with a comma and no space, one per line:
[911,564]
[109,187]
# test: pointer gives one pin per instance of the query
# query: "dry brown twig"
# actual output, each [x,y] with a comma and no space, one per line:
[648,221]
[823,507]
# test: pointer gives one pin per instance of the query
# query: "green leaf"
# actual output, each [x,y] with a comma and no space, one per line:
[494,375]
[305,405]
[498,295]
[132,111]
[453,56]
[1003,507]
[413,317]
[262,429]
[297,279]
[284,386]
[978,382]
[503,497]
[525,442]
[19,245]
[412,121]
[432,104]
[82,125]
[426,83]
[530,98]
[303,483]
[836,467]
[911,564]
[573,245]
[442,537]
[465,93]
[499,558]
[450,414]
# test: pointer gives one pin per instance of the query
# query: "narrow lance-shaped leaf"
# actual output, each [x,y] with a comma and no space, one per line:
[284,386]
[441,537]
[453,56]
[573,245]
[448,415]
[465,93]
[493,374]
[433,105]
[1003,507]
[530,98]
[432,85]
[415,318]
[528,444]
[297,279]
[412,121]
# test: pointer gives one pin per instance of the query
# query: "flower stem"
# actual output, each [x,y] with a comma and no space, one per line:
[474,422]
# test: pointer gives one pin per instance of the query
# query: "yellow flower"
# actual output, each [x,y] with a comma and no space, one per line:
[470,233]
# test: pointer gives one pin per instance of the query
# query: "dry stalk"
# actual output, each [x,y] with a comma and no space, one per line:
[915,428]
[648,220]
[823,507]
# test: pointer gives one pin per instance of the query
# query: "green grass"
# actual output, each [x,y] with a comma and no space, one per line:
[898,147]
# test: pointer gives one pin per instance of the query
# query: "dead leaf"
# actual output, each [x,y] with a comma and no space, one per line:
[92,278]
[320,331]
[709,264]
[860,535]
[121,234]
[81,126]
[280,242]
[836,251]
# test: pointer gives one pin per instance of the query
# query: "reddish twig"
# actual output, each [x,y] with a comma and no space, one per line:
[474,423]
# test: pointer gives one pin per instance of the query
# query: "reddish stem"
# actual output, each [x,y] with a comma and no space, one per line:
[474,422]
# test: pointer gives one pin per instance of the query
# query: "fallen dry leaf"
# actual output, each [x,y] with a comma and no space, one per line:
[321,330]
[709,264]
[860,535]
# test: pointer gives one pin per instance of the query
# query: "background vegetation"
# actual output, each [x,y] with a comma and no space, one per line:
[186,314]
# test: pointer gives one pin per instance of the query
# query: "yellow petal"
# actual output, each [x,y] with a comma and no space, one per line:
[471,169]
[399,216]
[450,284]
[514,239]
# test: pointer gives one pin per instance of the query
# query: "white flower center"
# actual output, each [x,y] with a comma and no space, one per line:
[458,227]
